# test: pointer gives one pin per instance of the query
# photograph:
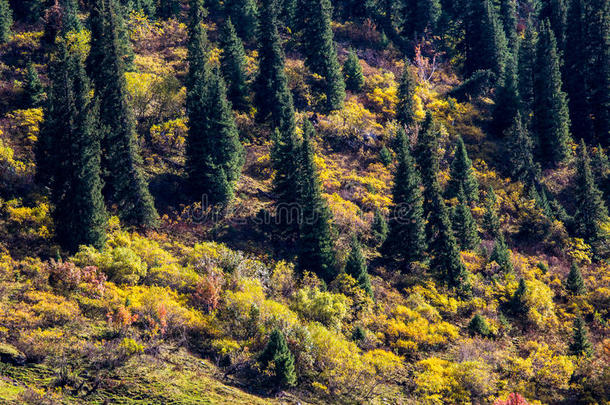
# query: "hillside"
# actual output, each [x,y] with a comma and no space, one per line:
[293,201]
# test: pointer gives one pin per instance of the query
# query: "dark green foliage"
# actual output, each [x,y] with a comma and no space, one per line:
[491,222]
[591,212]
[575,283]
[358,334]
[526,63]
[244,14]
[426,154]
[69,154]
[580,345]
[356,267]
[385,156]
[405,109]
[125,185]
[419,17]
[556,12]
[462,175]
[32,88]
[316,252]
[464,225]
[501,255]
[354,80]
[319,49]
[478,84]
[518,305]
[508,14]
[406,238]
[168,8]
[214,156]
[277,351]
[28,10]
[479,326]
[484,42]
[600,165]
[147,7]
[521,162]
[379,228]
[507,101]
[551,118]
[599,72]
[233,64]
[70,20]
[6,21]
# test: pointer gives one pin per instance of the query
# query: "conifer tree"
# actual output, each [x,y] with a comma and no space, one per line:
[244,14]
[599,71]
[354,80]
[423,16]
[521,161]
[526,65]
[501,254]
[70,20]
[551,118]
[600,166]
[6,21]
[580,345]
[69,154]
[379,228]
[556,12]
[168,8]
[491,222]
[462,175]
[508,14]
[319,49]
[518,303]
[591,212]
[277,351]
[125,184]
[507,101]
[575,283]
[405,109]
[32,88]
[464,225]
[479,326]
[406,238]
[316,251]
[426,153]
[233,64]
[356,267]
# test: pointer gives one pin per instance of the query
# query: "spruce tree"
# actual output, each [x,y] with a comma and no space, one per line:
[379,228]
[518,305]
[464,225]
[354,80]
[405,109]
[406,238]
[526,65]
[491,222]
[507,101]
[501,255]
[479,326]
[233,64]
[575,284]
[426,153]
[316,251]
[277,351]
[319,49]
[125,185]
[600,166]
[70,20]
[522,165]
[462,175]
[168,8]
[508,14]
[6,21]
[244,14]
[32,88]
[591,212]
[68,152]
[552,122]
[556,12]
[599,70]
[580,345]
[356,267]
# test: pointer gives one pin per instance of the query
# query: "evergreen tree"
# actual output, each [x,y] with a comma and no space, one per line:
[379,228]
[424,16]
[70,20]
[147,7]
[356,267]
[6,21]
[406,238]
[277,351]
[599,70]
[319,49]
[552,122]
[405,109]
[508,14]
[168,8]
[125,185]
[521,153]
[484,41]
[233,64]
[518,305]
[32,88]
[69,153]
[591,212]
[600,166]
[214,156]
[354,80]
[556,13]
[501,254]
[316,252]
[575,283]
[462,175]
[491,222]
[580,346]
[244,14]
[464,225]
[479,326]
[507,101]
[526,65]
